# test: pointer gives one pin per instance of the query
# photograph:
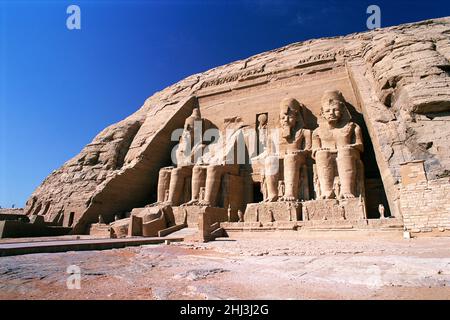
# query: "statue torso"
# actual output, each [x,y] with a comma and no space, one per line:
[291,144]
[334,138]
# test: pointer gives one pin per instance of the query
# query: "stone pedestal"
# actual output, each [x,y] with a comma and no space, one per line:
[273,211]
[188,215]
[100,230]
[119,228]
[332,209]
[145,221]
[205,218]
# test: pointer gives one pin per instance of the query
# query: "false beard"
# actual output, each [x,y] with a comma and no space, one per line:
[286,132]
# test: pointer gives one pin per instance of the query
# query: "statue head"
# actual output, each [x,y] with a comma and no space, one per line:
[333,106]
[289,115]
[262,119]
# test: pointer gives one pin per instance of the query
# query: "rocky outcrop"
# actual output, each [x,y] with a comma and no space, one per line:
[400,76]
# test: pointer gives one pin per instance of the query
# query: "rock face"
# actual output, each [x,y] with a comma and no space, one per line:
[396,80]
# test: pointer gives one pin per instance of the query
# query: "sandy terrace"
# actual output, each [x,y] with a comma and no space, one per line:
[260,266]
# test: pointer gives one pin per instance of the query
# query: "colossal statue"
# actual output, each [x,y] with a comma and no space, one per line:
[336,147]
[200,166]
[291,142]
[171,182]
[215,163]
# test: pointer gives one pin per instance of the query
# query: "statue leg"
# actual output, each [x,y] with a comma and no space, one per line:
[163,183]
[271,173]
[176,186]
[291,177]
[213,179]
[325,173]
[198,181]
[347,172]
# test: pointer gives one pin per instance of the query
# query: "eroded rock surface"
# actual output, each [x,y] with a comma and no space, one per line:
[400,77]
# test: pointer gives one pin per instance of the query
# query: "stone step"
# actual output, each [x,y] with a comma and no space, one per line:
[19,248]
[186,232]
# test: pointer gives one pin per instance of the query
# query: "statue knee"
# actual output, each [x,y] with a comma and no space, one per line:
[348,153]
[323,156]
[290,160]
[212,171]
[271,166]
[176,173]
[197,171]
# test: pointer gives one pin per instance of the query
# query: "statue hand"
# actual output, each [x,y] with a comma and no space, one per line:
[352,146]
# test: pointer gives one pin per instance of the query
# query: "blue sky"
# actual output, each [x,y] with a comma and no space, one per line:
[60,87]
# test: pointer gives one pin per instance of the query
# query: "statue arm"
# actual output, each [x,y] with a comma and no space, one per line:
[316,144]
[308,140]
[198,153]
[262,155]
[358,139]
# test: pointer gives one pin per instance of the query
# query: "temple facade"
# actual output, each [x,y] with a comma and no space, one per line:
[341,132]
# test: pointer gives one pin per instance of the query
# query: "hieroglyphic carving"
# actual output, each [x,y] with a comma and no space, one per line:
[232,77]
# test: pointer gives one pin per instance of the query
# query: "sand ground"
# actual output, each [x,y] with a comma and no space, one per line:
[314,265]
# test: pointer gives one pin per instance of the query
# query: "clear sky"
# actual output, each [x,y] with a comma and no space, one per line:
[60,87]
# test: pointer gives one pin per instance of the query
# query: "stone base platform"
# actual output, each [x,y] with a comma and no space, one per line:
[58,245]
[100,230]
[273,212]
[204,218]
[322,210]
[362,224]
[259,226]
[188,215]
[332,209]
[35,228]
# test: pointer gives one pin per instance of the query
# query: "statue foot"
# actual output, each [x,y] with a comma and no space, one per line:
[161,203]
[190,203]
[204,203]
[347,195]
[272,199]
[328,195]
[286,198]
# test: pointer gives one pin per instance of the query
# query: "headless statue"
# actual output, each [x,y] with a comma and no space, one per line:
[171,181]
[213,166]
[337,142]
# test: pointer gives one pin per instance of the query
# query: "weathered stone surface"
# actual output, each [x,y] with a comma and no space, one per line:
[395,79]
[273,211]
[331,209]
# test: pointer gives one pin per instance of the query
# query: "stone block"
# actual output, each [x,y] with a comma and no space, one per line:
[273,211]
[331,209]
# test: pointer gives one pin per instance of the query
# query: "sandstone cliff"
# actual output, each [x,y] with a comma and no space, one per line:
[400,77]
